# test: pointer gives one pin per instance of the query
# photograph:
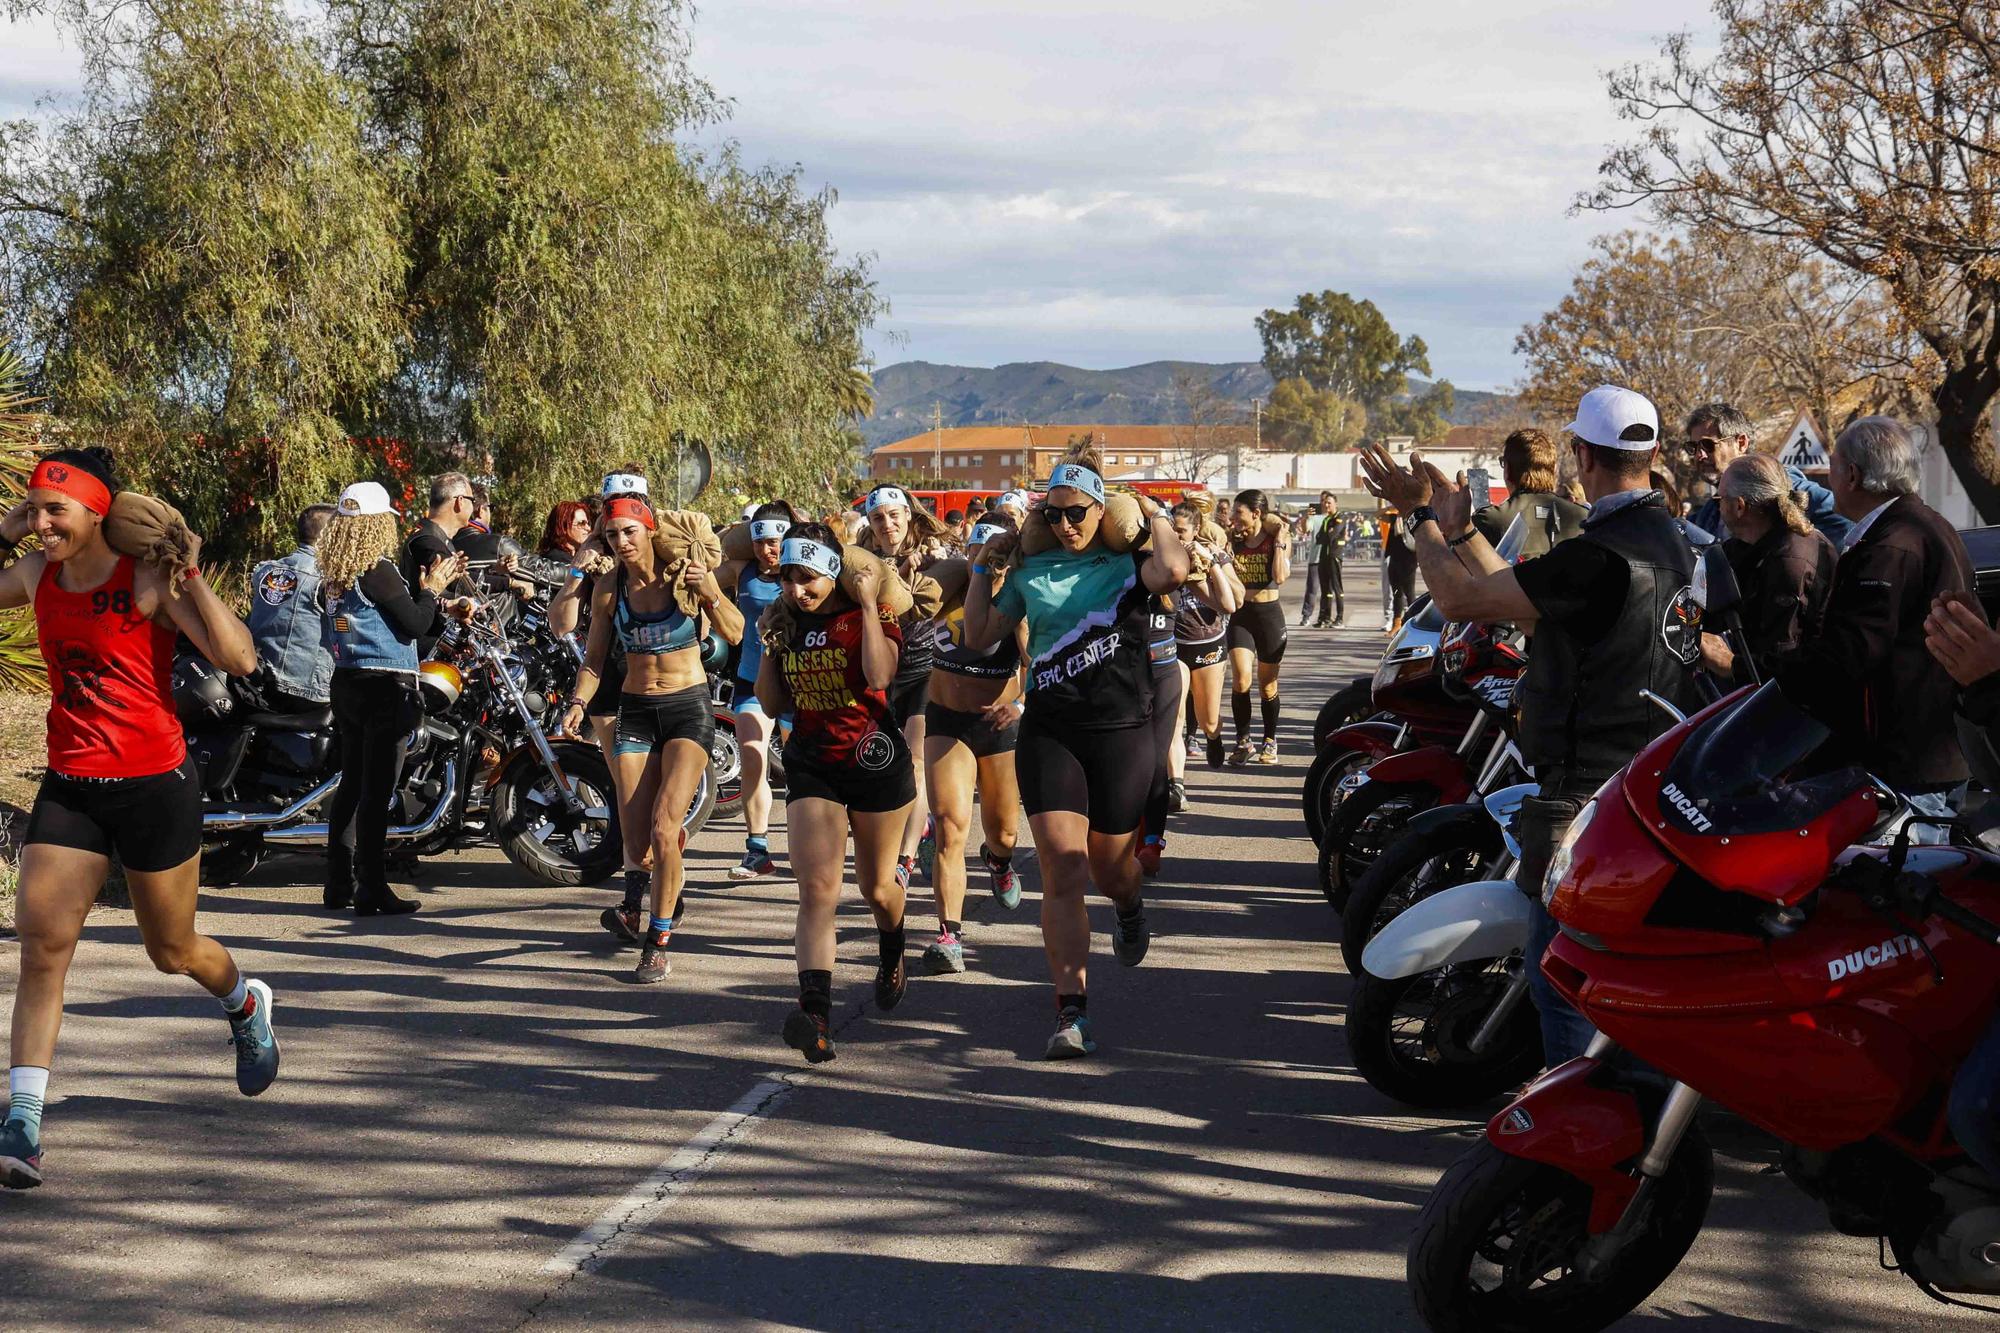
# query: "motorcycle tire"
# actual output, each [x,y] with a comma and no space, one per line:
[1360,828]
[1351,703]
[1320,794]
[520,821]
[725,769]
[1490,1210]
[1408,1036]
[1412,868]
[702,808]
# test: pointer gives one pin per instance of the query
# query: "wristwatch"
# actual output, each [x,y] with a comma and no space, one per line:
[1419,516]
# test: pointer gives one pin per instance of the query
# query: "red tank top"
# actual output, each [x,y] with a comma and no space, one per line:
[111,708]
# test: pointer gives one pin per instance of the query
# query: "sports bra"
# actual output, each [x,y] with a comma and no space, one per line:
[667,632]
[1003,659]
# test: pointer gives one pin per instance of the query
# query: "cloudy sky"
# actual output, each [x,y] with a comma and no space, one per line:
[1103,184]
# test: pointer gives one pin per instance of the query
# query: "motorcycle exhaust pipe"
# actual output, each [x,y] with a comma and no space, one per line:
[315,834]
[229,821]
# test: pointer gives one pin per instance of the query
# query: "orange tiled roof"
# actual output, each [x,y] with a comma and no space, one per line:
[967,439]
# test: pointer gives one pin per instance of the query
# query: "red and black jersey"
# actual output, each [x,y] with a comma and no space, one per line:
[837,721]
[1256,560]
[111,703]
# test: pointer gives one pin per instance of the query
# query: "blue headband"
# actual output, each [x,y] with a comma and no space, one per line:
[887,495]
[984,533]
[809,554]
[763,529]
[1078,478]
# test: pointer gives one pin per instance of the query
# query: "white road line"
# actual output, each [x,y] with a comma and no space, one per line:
[630,1216]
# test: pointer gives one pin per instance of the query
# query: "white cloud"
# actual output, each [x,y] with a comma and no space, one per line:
[1108,182]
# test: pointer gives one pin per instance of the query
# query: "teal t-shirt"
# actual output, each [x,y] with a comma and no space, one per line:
[1087,614]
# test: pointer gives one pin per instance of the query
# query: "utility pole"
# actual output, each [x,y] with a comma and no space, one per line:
[937,441]
[1257,405]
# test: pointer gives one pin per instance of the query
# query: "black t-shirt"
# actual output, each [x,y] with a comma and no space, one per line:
[1577,585]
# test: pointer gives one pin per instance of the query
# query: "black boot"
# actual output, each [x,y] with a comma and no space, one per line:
[338,894]
[374,897]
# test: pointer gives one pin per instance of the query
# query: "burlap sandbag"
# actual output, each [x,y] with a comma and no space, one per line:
[1123,528]
[926,597]
[685,536]
[951,575]
[774,631]
[736,543]
[152,532]
[1213,533]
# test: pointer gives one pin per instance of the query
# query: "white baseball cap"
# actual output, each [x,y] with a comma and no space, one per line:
[364,497]
[1616,418]
[750,511]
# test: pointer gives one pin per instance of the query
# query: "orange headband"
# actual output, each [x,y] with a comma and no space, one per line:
[624,506]
[74,482]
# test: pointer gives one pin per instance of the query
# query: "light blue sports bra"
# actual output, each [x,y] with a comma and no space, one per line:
[668,632]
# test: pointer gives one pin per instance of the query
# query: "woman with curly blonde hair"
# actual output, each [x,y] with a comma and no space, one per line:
[373,619]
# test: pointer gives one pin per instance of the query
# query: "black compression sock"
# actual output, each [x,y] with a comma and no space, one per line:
[1239,704]
[1270,703]
[637,884]
[816,992]
[890,944]
[953,927]
[1137,909]
[1080,1003]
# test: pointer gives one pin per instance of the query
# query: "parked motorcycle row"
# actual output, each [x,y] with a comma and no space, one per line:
[1747,926]
[487,763]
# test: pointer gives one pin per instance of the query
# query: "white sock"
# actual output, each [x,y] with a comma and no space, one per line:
[27,1086]
[233,1002]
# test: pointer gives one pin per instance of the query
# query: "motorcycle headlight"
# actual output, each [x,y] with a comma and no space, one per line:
[1566,852]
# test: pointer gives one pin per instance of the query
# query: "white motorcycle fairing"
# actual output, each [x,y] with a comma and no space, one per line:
[1485,919]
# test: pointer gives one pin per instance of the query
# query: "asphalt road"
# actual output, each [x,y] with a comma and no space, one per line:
[481,1124]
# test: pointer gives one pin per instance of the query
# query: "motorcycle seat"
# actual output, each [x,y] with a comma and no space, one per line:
[316,719]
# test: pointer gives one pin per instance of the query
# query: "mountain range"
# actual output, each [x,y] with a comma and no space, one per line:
[1048,392]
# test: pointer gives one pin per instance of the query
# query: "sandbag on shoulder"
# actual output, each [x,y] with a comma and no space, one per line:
[894,595]
[951,575]
[685,536]
[1123,527]
[736,543]
[153,532]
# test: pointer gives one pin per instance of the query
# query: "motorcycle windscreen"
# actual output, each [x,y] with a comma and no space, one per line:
[1743,803]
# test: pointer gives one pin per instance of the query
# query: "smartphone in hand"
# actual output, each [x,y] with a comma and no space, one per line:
[1479,484]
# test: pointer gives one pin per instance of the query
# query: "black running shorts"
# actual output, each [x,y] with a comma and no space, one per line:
[1260,627]
[870,791]
[152,823]
[1102,774]
[907,697]
[646,722]
[979,735]
[1195,656]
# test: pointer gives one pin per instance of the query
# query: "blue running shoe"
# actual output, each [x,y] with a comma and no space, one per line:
[946,955]
[20,1156]
[1072,1036]
[1006,884]
[256,1044]
[927,850]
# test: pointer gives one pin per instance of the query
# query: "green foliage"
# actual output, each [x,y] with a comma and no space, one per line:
[1307,419]
[467,225]
[1425,416]
[1336,343]
[20,657]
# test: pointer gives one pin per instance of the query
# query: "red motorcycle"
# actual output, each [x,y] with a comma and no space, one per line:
[1731,943]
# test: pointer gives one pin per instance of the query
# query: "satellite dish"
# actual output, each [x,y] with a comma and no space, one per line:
[694,467]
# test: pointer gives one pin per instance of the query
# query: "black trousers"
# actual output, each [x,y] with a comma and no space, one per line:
[1332,597]
[373,712]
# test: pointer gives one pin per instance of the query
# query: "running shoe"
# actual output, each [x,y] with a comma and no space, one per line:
[1215,751]
[1072,1036]
[753,865]
[1176,796]
[1194,744]
[256,1045]
[891,980]
[1006,884]
[1148,854]
[654,964]
[927,851]
[808,1034]
[1323,624]
[1241,755]
[1269,754]
[20,1156]
[629,926]
[1129,937]
[946,955]
[905,867]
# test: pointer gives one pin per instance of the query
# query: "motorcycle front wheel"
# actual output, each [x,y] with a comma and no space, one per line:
[539,835]
[1353,702]
[1496,1246]
[1321,794]
[1411,869]
[1411,1037]
[725,768]
[1361,828]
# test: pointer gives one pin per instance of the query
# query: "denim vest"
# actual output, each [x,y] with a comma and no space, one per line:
[285,621]
[361,637]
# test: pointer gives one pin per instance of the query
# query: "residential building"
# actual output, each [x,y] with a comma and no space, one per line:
[995,456]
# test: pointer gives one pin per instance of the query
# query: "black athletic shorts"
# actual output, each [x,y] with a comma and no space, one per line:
[1259,626]
[604,703]
[1102,774]
[979,735]
[152,823]
[907,697]
[648,721]
[871,791]
[1194,656]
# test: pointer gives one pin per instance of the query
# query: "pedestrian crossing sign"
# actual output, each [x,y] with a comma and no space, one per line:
[1804,449]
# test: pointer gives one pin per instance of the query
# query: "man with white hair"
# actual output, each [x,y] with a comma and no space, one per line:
[1867,674]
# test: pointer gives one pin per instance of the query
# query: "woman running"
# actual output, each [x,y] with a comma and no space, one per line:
[828,662]
[1090,698]
[569,609]
[372,624]
[1166,794]
[1263,559]
[665,727]
[119,777]
[757,588]
[905,532]
[971,724]
[1202,607]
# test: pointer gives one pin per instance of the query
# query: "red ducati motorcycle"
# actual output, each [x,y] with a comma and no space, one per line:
[1731,943]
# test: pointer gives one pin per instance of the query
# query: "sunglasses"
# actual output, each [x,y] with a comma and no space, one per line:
[1071,514]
